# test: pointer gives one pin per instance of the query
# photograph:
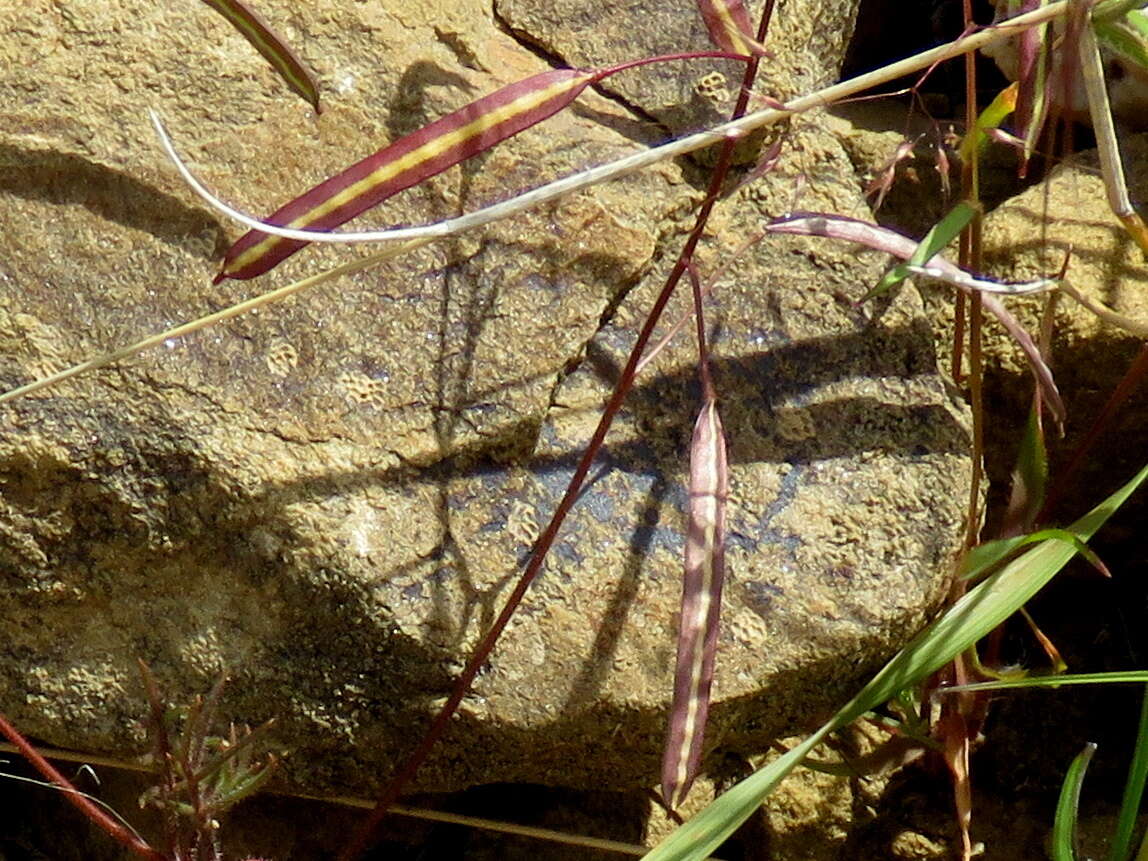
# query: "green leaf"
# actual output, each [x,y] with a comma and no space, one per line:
[1064,828]
[1055,681]
[990,118]
[942,233]
[1126,37]
[1108,9]
[986,556]
[1121,846]
[1030,478]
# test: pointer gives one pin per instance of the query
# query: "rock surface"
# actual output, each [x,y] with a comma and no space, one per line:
[331,497]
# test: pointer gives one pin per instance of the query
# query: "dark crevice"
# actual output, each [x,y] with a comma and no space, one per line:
[890,30]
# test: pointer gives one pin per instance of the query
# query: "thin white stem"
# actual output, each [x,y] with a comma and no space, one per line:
[219,316]
[961,278]
[625,166]
[1111,166]
[414,237]
[1120,321]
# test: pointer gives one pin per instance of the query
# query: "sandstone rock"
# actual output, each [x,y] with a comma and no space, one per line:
[332,497]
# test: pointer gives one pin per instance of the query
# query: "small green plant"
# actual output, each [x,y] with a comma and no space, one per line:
[200,776]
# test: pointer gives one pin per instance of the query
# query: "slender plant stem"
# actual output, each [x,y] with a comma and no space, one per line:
[97,816]
[542,548]
[410,238]
[734,129]
[970,260]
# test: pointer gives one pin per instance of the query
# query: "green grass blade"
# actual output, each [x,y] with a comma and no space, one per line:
[986,556]
[1109,9]
[973,616]
[1030,476]
[1054,681]
[1126,38]
[1142,855]
[935,241]
[1064,828]
[1121,848]
[990,118]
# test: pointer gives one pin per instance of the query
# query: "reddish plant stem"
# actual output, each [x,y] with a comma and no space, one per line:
[164,759]
[662,58]
[542,548]
[101,819]
[961,713]
[970,260]
[960,304]
[704,376]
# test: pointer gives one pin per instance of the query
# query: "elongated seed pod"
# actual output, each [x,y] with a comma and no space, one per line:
[701,605]
[406,162]
[728,24]
[882,239]
[268,43]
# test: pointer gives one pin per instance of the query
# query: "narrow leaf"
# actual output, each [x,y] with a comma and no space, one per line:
[1054,681]
[986,556]
[701,605]
[268,43]
[1067,807]
[729,27]
[1126,38]
[990,118]
[242,785]
[236,755]
[891,242]
[938,237]
[1121,847]
[1032,76]
[1110,9]
[1030,476]
[406,162]
[980,610]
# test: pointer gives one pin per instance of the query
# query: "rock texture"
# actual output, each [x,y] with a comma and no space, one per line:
[332,497]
